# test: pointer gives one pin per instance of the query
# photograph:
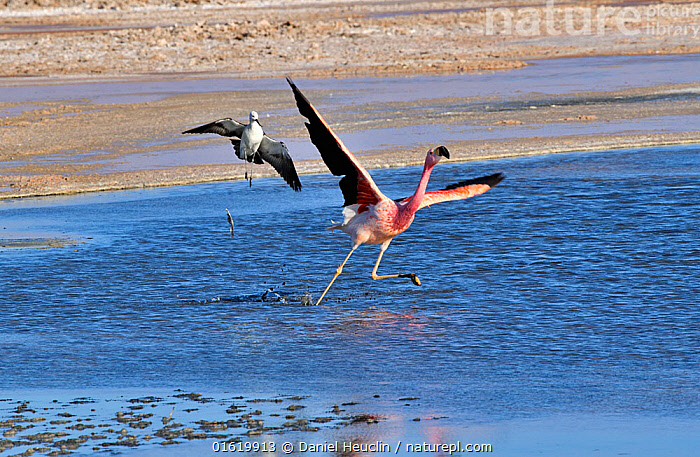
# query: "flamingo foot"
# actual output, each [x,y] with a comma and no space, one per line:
[413,276]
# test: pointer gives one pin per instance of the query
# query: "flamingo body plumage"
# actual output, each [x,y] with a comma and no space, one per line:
[373,224]
[369,217]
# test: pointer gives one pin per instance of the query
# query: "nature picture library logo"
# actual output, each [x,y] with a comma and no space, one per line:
[661,19]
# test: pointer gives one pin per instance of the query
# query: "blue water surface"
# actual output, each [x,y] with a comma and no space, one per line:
[572,288]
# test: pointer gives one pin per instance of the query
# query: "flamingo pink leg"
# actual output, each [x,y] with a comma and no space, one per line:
[370,216]
[383,248]
[337,273]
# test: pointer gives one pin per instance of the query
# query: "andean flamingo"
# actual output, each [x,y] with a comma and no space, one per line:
[252,145]
[369,217]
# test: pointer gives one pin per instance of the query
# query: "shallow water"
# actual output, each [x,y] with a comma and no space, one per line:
[561,82]
[546,77]
[570,290]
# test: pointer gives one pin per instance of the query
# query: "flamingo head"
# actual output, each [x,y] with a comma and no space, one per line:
[253,117]
[434,155]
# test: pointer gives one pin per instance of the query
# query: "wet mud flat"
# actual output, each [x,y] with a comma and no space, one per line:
[85,425]
[98,135]
[189,63]
[36,243]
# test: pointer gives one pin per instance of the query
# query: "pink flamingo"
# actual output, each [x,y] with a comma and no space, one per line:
[369,217]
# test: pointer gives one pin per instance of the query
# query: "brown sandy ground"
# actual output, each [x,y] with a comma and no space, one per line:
[325,38]
[64,40]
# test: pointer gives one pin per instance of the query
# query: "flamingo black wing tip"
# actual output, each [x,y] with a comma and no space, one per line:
[306,109]
[294,87]
[490,180]
[495,178]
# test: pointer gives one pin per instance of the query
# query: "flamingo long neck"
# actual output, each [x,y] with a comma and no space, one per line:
[417,198]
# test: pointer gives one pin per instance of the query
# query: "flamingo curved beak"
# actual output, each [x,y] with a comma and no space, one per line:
[442,151]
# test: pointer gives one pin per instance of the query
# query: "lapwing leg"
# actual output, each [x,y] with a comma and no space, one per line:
[337,273]
[375,276]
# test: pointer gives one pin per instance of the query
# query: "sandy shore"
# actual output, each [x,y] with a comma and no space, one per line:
[326,38]
[44,143]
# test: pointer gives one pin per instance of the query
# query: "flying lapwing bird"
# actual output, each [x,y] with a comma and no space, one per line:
[369,217]
[252,145]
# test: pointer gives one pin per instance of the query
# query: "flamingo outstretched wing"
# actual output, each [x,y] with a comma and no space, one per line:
[459,191]
[357,185]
